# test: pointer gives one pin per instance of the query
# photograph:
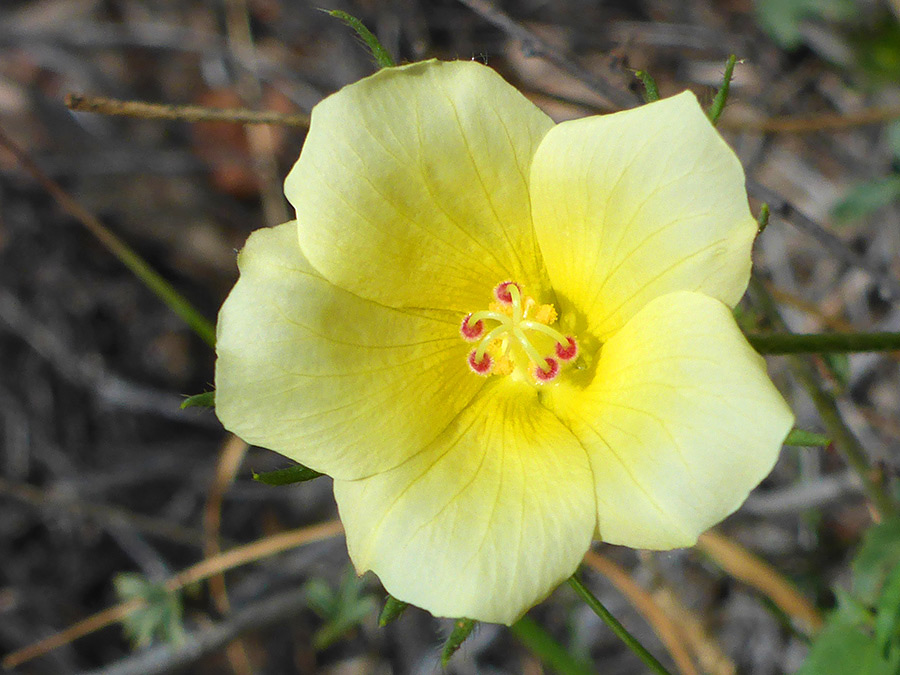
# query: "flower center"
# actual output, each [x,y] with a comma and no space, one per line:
[514,335]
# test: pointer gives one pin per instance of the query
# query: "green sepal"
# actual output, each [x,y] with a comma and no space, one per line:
[762,220]
[292,474]
[806,439]
[379,53]
[391,611]
[718,104]
[462,629]
[205,400]
[651,91]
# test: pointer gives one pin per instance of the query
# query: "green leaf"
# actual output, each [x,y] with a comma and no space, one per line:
[876,45]
[342,609]
[462,629]
[866,198]
[877,557]
[843,649]
[205,400]
[807,439]
[292,474]
[781,19]
[379,53]
[852,611]
[392,610]
[159,618]
[887,613]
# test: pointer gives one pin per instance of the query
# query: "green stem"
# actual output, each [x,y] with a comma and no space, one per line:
[819,343]
[162,288]
[616,627]
[718,104]
[379,53]
[126,255]
[547,649]
[651,91]
[843,438]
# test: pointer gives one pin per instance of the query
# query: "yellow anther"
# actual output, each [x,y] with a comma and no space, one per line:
[545,314]
[503,366]
[501,308]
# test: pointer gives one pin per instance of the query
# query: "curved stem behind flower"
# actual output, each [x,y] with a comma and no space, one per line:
[819,343]
[547,649]
[617,628]
[844,439]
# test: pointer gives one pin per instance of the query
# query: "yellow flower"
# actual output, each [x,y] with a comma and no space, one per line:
[503,337]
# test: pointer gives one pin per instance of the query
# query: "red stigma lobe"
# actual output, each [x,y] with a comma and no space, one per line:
[569,351]
[550,373]
[471,332]
[502,292]
[482,367]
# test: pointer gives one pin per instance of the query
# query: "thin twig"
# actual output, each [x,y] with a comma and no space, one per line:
[47,499]
[783,209]
[842,437]
[835,323]
[87,371]
[235,557]
[231,457]
[185,113]
[805,495]
[167,658]
[665,628]
[128,256]
[746,567]
[259,138]
[808,124]
[535,45]
[707,651]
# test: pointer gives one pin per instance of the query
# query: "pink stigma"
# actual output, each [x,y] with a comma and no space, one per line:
[501,292]
[482,367]
[471,332]
[552,371]
[568,352]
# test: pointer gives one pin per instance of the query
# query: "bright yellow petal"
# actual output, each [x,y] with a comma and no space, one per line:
[680,422]
[340,384]
[633,205]
[484,523]
[412,186]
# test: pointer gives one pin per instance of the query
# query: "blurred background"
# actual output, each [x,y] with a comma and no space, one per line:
[108,489]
